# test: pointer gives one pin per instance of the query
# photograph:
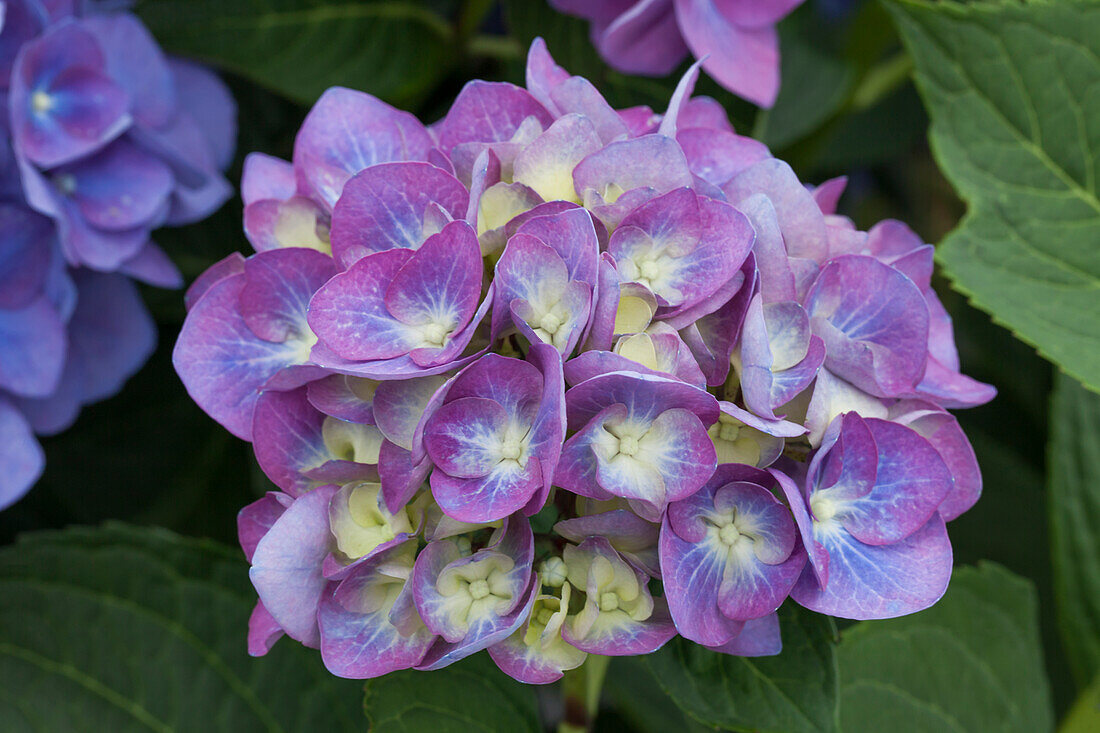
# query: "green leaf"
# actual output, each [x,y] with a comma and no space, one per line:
[1074,499]
[120,629]
[972,662]
[1084,716]
[394,50]
[1013,90]
[471,695]
[638,698]
[793,692]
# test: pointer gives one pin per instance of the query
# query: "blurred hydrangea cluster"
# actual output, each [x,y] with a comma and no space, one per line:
[552,379]
[736,40]
[104,140]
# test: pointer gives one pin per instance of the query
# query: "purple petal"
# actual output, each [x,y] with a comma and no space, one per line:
[223,364]
[111,333]
[577,95]
[505,489]
[232,264]
[255,519]
[295,222]
[647,396]
[717,156]
[286,567]
[743,60]
[644,40]
[24,254]
[153,267]
[546,164]
[399,405]
[464,436]
[654,162]
[21,457]
[681,246]
[911,482]
[827,195]
[358,638]
[344,397]
[266,177]
[385,207]
[117,189]
[289,440]
[278,288]
[207,99]
[263,631]
[135,62]
[64,106]
[348,131]
[873,582]
[942,430]
[349,314]
[874,323]
[33,346]
[800,220]
[759,638]
[543,74]
[488,112]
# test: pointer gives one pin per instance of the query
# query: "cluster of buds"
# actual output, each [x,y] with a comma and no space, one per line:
[736,40]
[105,140]
[553,379]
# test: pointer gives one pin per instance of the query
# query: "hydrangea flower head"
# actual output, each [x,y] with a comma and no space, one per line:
[736,39]
[107,139]
[642,328]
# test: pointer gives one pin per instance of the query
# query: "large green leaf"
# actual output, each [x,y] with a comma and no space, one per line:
[120,629]
[1013,89]
[793,692]
[971,663]
[470,696]
[1074,501]
[395,50]
[637,697]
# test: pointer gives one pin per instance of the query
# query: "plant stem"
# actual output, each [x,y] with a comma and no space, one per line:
[581,694]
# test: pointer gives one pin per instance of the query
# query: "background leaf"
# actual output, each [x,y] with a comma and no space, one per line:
[1074,490]
[471,695]
[394,50]
[972,662]
[119,629]
[792,692]
[815,81]
[1014,94]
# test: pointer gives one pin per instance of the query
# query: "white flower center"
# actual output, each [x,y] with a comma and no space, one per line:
[609,601]
[649,270]
[510,449]
[479,589]
[628,445]
[729,534]
[729,432]
[823,508]
[435,334]
[550,323]
[41,102]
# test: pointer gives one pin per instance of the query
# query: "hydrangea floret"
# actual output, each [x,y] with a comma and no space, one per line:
[105,139]
[552,379]
[735,39]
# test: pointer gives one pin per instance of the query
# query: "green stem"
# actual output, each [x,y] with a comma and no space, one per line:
[581,694]
[881,81]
